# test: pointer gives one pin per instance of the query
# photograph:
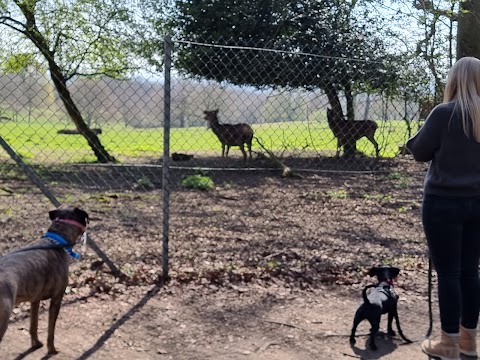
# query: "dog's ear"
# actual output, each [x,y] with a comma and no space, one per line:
[395,271]
[53,214]
[82,216]
[373,271]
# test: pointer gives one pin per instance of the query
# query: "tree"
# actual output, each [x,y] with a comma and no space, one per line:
[323,39]
[468,41]
[467,14]
[309,44]
[74,38]
[437,46]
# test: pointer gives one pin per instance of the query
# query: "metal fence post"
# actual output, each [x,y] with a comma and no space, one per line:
[166,156]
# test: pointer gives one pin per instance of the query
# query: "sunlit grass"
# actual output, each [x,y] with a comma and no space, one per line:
[38,141]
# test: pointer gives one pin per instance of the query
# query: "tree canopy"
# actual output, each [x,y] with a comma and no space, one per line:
[332,44]
[72,38]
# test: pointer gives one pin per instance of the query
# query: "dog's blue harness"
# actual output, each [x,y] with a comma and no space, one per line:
[61,242]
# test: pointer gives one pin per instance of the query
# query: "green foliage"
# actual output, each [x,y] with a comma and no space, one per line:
[227,185]
[272,265]
[379,197]
[401,181]
[16,63]
[198,181]
[344,50]
[145,183]
[75,38]
[86,37]
[403,209]
[338,194]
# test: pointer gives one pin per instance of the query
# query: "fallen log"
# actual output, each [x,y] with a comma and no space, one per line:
[76,132]
[286,170]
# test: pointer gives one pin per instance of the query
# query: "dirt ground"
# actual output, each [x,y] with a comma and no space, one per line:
[261,267]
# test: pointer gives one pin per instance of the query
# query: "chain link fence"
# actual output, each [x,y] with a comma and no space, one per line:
[287,118]
[356,196]
[283,97]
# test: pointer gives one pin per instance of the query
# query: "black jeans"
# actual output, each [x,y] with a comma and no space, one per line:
[452,228]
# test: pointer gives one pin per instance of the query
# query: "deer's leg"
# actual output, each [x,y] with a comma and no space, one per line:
[242,148]
[338,149]
[228,149]
[249,144]
[223,150]
[375,144]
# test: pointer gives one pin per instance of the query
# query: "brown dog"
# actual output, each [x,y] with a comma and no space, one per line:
[40,271]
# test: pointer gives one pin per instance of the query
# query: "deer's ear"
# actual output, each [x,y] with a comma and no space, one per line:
[205,112]
[215,111]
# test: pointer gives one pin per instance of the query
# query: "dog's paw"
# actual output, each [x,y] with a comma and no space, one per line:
[36,344]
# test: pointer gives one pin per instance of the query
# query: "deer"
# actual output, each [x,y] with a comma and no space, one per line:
[348,132]
[230,135]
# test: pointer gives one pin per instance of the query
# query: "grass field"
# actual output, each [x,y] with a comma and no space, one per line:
[38,141]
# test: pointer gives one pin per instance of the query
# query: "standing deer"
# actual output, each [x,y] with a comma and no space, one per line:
[230,135]
[348,132]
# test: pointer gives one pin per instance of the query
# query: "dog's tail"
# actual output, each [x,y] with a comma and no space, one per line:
[364,293]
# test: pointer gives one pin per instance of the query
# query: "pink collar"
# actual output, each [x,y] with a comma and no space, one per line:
[71,222]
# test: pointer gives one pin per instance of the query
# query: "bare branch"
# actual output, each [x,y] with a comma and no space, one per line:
[110,73]
[91,44]
[57,42]
[12,24]
[427,5]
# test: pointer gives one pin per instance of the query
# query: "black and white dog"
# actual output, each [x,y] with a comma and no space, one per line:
[381,300]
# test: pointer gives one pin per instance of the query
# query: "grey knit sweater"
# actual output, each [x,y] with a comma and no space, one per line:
[455,158]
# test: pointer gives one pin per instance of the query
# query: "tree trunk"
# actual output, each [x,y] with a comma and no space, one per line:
[349,149]
[367,107]
[59,80]
[468,36]
[350,102]
[93,141]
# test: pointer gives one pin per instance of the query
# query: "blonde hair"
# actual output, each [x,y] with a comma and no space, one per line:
[463,86]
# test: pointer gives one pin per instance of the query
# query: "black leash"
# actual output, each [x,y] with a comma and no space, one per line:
[430,315]
[40,247]
[429,290]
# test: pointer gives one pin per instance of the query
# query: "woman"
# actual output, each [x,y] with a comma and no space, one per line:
[450,139]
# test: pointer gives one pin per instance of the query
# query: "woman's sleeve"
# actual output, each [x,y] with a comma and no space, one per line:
[428,139]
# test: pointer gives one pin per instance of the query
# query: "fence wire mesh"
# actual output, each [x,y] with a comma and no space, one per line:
[356,205]
[283,98]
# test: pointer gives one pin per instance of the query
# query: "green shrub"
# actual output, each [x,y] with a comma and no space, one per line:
[200,182]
